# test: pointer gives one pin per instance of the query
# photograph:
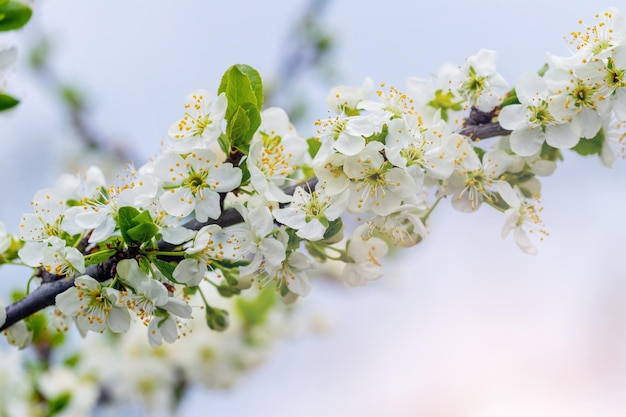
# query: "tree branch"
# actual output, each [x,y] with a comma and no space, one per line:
[54,285]
[480,125]
[484,131]
[477,126]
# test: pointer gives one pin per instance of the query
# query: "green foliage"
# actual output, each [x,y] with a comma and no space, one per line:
[136,227]
[13,15]
[58,404]
[593,146]
[241,127]
[99,257]
[7,102]
[480,152]
[254,312]
[316,251]
[166,268]
[244,90]
[510,98]
[314,146]
[444,102]
[72,97]
[542,71]
[334,231]
[548,153]
[216,318]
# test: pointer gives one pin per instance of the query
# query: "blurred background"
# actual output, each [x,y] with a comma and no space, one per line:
[464,324]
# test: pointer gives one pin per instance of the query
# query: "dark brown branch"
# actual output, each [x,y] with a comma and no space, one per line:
[480,125]
[485,131]
[45,295]
[53,285]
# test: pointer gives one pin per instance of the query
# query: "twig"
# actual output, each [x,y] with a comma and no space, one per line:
[54,285]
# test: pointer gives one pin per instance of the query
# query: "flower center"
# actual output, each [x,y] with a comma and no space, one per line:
[196,181]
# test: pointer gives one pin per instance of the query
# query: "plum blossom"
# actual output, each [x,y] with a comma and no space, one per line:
[532,122]
[579,100]
[202,123]
[377,185]
[420,153]
[151,302]
[595,42]
[192,182]
[94,306]
[345,99]
[255,239]
[472,181]
[365,254]
[276,151]
[211,243]
[404,226]
[521,215]
[478,81]
[310,212]
[46,221]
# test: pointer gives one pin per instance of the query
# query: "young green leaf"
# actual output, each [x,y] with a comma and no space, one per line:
[166,268]
[241,127]
[143,232]
[314,146]
[13,15]
[254,312]
[99,257]
[239,90]
[591,146]
[242,84]
[7,102]
[126,215]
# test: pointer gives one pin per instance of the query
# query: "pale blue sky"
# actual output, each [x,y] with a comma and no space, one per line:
[464,324]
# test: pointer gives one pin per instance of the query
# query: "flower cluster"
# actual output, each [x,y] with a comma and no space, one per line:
[579,99]
[238,198]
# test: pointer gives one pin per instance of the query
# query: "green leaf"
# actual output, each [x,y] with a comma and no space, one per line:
[314,146]
[255,82]
[143,232]
[59,403]
[224,143]
[245,172]
[38,323]
[315,251]
[480,152]
[136,227]
[244,91]
[548,153]
[7,102]
[166,268]
[237,127]
[254,312]
[510,98]
[14,15]
[445,102]
[242,126]
[216,318]
[593,146]
[125,221]
[542,71]
[99,257]
[334,231]
[379,137]
[228,291]
[72,360]
[239,90]
[242,84]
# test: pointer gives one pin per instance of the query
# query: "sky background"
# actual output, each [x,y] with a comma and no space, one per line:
[464,324]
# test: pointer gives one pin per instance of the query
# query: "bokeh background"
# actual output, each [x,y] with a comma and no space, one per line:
[464,324]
